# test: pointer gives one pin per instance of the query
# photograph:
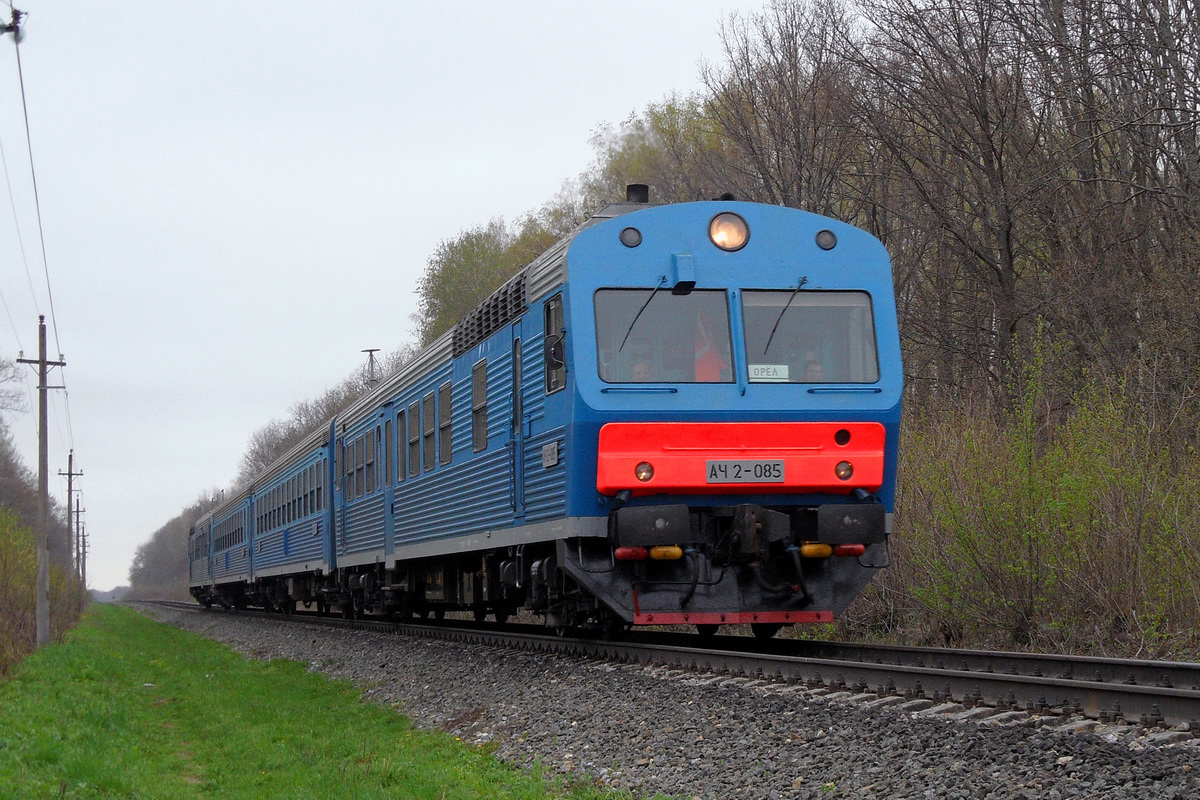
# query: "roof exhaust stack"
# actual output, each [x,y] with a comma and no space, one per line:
[637,193]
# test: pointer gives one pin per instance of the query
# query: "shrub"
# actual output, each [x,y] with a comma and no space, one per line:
[18,578]
[1071,532]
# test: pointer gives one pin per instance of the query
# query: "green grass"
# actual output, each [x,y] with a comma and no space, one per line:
[128,707]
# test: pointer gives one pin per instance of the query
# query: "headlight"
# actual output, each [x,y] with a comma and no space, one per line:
[844,470]
[644,471]
[728,231]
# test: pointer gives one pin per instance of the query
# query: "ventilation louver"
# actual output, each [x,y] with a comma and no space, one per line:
[502,307]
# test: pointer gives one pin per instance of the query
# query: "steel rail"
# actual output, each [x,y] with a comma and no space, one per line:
[1003,681]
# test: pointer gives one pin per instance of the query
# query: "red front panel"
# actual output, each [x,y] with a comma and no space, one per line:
[723,457]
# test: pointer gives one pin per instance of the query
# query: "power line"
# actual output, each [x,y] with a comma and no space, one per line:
[11,321]
[37,204]
[14,27]
[20,240]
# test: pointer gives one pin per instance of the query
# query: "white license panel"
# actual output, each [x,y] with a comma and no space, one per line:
[744,471]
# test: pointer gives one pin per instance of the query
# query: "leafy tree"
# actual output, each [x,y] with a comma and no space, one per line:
[675,146]
[160,565]
[464,270]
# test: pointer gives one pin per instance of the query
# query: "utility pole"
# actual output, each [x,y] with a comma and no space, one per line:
[83,549]
[73,539]
[43,533]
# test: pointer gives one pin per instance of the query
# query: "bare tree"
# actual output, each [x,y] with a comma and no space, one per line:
[946,93]
[11,397]
[780,98]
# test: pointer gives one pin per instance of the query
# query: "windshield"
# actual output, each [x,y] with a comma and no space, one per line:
[653,336]
[819,337]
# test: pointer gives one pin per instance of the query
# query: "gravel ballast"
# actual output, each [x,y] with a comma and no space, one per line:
[693,735]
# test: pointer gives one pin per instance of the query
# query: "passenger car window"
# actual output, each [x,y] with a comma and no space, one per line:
[428,424]
[401,446]
[445,406]
[414,439]
[479,405]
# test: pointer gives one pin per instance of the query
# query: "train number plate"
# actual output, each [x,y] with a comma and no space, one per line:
[747,471]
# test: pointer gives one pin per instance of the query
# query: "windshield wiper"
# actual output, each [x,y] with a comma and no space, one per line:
[661,281]
[779,319]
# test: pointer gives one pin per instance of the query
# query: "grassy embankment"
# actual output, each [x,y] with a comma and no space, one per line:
[127,707]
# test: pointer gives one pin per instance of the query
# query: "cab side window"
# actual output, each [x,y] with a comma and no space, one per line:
[555,346]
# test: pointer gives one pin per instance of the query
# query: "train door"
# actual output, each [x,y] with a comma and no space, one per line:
[210,561]
[244,528]
[387,463]
[517,427]
[324,496]
[339,495]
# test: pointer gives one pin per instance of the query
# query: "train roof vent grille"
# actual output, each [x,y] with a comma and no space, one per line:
[502,307]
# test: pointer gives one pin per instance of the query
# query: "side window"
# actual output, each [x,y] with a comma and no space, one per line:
[321,483]
[370,438]
[401,447]
[387,452]
[360,467]
[555,346]
[479,433]
[428,426]
[312,489]
[444,430]
[339,470]
[414,439]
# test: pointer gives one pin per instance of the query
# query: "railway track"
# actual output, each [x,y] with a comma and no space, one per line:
[1146,693]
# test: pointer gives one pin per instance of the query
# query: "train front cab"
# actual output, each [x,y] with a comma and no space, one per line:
[737,414]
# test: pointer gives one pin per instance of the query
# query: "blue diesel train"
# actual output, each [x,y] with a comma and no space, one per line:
[679,414]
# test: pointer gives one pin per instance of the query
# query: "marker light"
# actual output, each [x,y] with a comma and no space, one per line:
[666,553]
[728,231]
[844,470]
[630,237]
[826,239]
[815,550]
[631,554]
[644,471]
[849,549]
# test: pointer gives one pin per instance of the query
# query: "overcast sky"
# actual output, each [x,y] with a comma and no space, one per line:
[238,198]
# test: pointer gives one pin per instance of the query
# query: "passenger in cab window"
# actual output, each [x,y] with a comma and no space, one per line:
[711,366]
